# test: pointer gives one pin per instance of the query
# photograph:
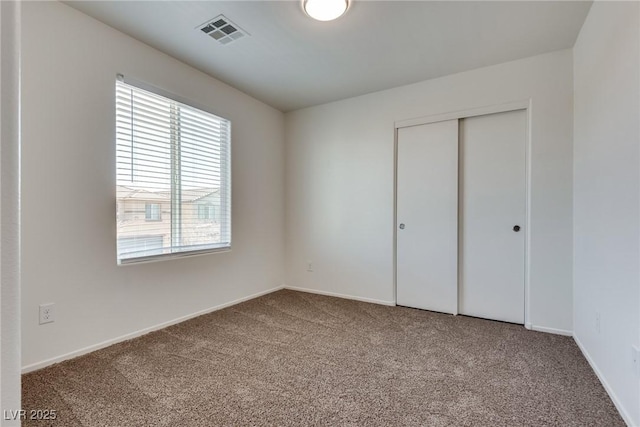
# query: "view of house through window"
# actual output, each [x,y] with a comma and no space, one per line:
[173,177]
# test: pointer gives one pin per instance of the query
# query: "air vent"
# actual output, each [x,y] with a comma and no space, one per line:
[222,30]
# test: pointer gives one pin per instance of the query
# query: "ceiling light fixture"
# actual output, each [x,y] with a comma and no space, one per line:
[325,10]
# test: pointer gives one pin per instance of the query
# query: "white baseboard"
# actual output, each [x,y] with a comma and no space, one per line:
[335,294]
[623,413]
[43,364]
[551,330]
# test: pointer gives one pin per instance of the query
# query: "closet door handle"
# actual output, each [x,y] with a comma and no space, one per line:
[401,226]
[516,228]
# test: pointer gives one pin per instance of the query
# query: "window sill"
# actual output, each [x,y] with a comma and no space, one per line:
[176,255]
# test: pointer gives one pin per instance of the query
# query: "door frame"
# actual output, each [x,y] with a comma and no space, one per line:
[525,104]
[11,338]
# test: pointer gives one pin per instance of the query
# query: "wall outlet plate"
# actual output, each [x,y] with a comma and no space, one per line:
[46,313]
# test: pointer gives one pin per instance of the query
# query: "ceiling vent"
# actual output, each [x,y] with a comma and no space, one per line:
[222,30]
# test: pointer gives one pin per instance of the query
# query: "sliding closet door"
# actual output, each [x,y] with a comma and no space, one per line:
[427,216]
[492,216]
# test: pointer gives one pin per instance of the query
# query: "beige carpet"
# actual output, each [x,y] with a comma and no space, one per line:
[292,358]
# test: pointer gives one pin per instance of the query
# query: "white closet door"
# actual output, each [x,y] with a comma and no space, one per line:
[427,217]
[492,208]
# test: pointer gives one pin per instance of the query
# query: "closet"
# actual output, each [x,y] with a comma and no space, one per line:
[460,211]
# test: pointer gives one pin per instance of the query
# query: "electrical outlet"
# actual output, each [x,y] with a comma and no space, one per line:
[598,322]
[635,350]
[46,313]
[309,266]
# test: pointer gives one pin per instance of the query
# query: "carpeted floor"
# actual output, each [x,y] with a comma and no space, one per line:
[292,358]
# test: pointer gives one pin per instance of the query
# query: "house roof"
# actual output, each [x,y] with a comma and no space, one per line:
[188,194]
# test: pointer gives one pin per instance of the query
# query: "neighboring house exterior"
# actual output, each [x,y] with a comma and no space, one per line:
[144,219]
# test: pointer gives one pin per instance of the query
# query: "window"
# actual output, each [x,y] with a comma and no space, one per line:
[206,212]
[152,212]
[173,165]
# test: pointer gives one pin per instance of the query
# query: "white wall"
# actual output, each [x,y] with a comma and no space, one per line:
[70,62]
[607,197]
[9,208]
[339,194]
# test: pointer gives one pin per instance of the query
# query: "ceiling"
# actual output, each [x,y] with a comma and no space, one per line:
[291,61]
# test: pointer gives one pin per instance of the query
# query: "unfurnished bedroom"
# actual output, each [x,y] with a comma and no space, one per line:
[320,212]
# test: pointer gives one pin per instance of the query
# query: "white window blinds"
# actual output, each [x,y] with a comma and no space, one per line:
[173,177]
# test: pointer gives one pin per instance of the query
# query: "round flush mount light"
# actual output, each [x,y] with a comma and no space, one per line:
[325,10]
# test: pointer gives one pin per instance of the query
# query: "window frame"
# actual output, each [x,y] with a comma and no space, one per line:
[225,190]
